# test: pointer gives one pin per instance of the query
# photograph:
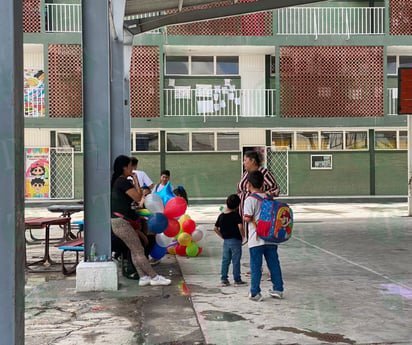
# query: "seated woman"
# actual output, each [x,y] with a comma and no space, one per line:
[123,193]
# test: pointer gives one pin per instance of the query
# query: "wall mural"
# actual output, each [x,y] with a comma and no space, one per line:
[34,99]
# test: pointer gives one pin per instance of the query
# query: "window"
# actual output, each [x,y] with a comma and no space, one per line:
[177,142]
[177,65]
[69,139]
[391,68]
[356,140]
[202,65]
[332,140]
[273,65]
[227,65]
[203,142]
[307,141]
[393,62]
[282,140]
[325,140]
[403,140]
[385,140]
[228,141]
[146,142]
[405,61]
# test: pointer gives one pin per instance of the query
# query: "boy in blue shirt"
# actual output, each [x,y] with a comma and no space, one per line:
[229,227]
[259,247]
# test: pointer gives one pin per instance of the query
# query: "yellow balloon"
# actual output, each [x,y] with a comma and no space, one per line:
[183,218]
[184,239]
[171,250]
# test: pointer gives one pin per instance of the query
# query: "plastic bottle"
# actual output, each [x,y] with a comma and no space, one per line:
[92,255]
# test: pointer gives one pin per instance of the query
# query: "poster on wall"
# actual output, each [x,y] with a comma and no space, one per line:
[37,173]
[34,99]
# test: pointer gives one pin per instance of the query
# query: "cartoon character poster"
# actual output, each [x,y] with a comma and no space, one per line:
[37,175]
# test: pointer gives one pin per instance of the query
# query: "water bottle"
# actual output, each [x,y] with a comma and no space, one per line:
[92,255]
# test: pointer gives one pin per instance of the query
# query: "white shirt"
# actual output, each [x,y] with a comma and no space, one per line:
[158,187]
[252,208]
[144,180]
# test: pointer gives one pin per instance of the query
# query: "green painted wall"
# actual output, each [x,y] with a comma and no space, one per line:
[391,173]
[78,176]
[349,176]
[205,174]
[150,164]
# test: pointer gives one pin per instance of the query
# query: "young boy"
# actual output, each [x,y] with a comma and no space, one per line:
[144,180]
[229,227]
[258,247]
[164,179]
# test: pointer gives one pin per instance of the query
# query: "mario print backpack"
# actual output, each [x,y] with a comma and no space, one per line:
[275,221]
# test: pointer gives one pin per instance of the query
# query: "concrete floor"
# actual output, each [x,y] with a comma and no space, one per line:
[347,273]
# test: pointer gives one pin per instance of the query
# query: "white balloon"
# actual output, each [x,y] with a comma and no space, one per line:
[202,230]
[154,203]
[163,241]
[197,235]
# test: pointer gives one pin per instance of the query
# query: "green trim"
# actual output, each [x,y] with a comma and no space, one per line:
[372,163]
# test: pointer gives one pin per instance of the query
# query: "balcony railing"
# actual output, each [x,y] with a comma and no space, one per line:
[182,101]
[392,101]
[63,18]
[331,21]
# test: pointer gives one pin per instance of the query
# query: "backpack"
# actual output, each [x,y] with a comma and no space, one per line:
[275,221]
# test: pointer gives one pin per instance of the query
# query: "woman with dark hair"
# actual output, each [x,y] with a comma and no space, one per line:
[252,160]
[124,192]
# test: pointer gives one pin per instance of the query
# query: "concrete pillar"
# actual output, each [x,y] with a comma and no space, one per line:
[97,150]
[12,175]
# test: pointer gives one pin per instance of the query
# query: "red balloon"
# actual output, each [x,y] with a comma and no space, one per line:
[173,228]
[175,207]
[189,226]
[200,250]
[181,250]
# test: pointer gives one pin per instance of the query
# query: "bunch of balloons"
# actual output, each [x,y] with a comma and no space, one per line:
[176,232]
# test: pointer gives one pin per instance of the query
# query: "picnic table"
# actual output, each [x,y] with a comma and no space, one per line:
[67,211]
[40,223]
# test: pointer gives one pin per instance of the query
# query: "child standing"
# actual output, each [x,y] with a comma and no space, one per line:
[257,246]
[229,227]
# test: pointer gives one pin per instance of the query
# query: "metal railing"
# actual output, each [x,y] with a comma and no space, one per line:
[392,101]
[184,101]
[63,18]
[331,21]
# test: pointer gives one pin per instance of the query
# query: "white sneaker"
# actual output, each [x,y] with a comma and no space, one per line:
[144,281]
[160,280]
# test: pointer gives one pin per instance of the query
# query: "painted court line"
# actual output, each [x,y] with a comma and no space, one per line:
[354,263]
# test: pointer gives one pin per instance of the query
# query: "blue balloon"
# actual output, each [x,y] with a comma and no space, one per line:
[158,252]
[166,193]
[157,223]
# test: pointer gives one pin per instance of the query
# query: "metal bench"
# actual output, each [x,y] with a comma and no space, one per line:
[76,246]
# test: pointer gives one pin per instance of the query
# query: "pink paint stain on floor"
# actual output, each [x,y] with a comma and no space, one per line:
[394,289]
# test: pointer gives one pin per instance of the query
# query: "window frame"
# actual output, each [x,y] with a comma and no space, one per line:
[190,73]
[294,132]
[211,131]
[133,141]
[70,132]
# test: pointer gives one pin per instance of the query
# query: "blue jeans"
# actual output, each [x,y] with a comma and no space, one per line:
[232,252]
[270,252]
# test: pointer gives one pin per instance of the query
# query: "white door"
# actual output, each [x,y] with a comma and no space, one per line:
[252,74]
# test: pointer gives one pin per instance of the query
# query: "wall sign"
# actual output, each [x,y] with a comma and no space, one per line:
[320,162]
